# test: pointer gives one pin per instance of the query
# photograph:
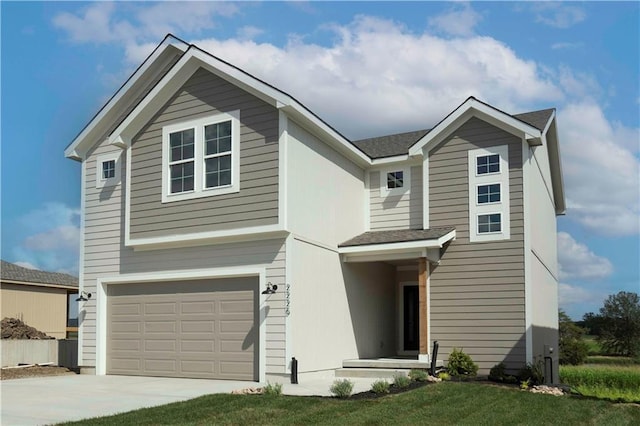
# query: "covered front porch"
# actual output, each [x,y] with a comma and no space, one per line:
[413,254]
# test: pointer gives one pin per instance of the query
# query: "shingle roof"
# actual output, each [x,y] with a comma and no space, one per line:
[537,119]
[399,144]
[13,272]
[388,146]
[397,236]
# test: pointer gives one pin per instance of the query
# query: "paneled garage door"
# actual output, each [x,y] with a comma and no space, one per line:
[197,329]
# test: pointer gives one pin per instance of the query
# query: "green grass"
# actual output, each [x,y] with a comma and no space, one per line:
[593,346]
[612,360]
[613,382]
[443,403]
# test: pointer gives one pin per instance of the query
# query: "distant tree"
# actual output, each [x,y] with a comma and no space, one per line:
[620,333]
[573,349]
[592,322]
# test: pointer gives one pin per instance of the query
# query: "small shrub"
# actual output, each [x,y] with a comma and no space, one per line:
[401,381]
[380,386]
[512,380]
[342,388]
[272,389]
[525,384]
[418,375]
[443,375]
[461,364]
[498,372]
[533,372]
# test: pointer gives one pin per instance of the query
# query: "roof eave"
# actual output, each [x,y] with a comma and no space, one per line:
[475,108]
[83,142]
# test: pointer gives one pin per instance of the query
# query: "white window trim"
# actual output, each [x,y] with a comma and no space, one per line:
[199,180]
[406,178]
[490,202]
[501,207]
[113,181]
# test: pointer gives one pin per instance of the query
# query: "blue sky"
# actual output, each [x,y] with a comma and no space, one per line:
[368,68]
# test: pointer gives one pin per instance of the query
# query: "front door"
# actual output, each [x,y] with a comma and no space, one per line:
[410,319]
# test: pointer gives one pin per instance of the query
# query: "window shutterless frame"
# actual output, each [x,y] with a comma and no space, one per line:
[216,157]
[108,169]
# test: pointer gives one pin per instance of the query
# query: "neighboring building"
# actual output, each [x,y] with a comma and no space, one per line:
[203,186]
[38,298]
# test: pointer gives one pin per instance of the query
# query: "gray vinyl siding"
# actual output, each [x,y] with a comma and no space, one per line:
[477,291]
[396,211]
[106,256]
[256,204]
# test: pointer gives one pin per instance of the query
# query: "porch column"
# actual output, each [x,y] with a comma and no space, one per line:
[423,274]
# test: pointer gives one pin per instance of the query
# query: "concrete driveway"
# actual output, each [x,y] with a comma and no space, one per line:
[47,400]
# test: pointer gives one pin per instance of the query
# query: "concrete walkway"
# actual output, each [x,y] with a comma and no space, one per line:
[47,400]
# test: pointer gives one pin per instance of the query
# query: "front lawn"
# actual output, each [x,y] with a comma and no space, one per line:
[443,403]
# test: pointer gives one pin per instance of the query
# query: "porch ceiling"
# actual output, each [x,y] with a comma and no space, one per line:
[397,244]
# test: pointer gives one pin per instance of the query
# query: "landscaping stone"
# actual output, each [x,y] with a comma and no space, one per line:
[247,391]
[548,390]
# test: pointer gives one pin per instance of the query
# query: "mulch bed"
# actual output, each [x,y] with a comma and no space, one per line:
[392,391]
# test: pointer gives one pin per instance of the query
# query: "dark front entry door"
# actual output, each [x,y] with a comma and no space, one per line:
[410,317]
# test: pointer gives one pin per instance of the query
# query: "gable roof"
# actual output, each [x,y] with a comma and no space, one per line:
[398,236]
[10,272]
[538,119]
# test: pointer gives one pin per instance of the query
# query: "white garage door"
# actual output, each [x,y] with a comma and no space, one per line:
[197,329]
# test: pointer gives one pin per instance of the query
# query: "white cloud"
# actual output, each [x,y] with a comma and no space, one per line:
[577,261]
[249,32]
[574,295]
[459,20]
[558,15]
[51,241]
[354,86]
[601,172]
[566,45]
[103,22]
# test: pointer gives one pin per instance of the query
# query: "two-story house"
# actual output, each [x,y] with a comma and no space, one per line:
[226,228]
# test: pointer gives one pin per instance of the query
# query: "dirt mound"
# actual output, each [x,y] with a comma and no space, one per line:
[13,328]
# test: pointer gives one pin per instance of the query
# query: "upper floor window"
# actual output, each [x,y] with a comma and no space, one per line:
[201,157]
[486,164]
[394,181]
[489,194]
[108,169]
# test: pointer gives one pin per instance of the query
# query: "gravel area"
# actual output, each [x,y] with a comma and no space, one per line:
[35,371]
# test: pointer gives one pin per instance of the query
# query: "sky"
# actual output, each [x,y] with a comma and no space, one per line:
[368,69]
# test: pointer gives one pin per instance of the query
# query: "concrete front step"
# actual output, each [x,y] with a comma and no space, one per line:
[372,373]
[386,363]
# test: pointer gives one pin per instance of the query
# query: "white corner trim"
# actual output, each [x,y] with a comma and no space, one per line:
[193,274]
[198,125]
[101,181]
[288,278]
[406,184]
[83,196]
[502,207]
[283,149]
[367,200]
[425,191]
[527,156]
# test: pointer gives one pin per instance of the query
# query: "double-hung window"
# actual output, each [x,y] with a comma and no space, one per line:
[489,194]
[201,157]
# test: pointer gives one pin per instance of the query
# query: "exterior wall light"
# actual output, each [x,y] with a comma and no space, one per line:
[271,289]
[84,296]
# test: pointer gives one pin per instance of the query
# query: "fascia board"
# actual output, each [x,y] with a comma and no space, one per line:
[74,151]
[471,108]
[153,101]
[34,284]
[555,164]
